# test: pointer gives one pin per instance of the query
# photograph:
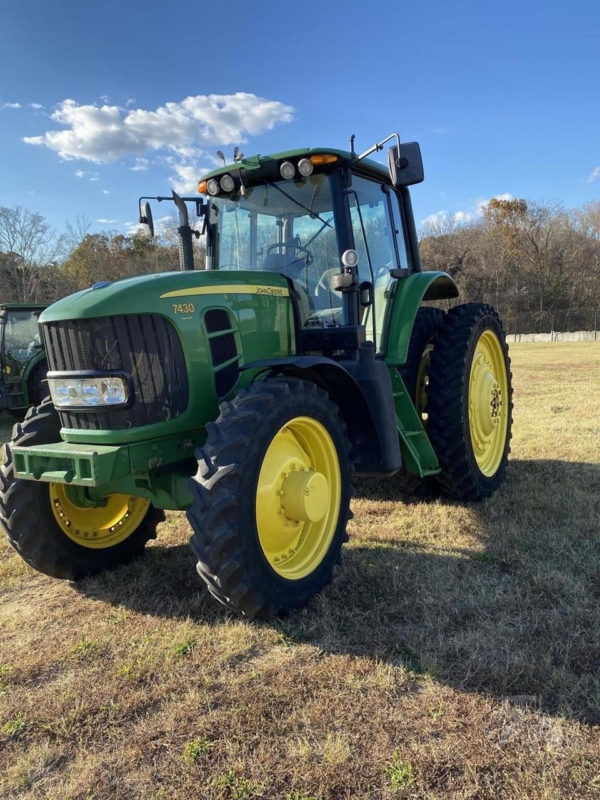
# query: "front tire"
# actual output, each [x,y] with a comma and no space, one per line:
[271,497]
[50,531]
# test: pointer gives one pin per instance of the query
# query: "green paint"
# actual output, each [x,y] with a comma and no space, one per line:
[417,452]
[103,469]
[262,323]
[256,167]
[410,293]
[94,465]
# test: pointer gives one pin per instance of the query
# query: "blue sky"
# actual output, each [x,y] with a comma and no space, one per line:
[116,99]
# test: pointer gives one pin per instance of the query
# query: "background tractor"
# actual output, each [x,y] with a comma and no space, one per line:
[248,393]
[23,364]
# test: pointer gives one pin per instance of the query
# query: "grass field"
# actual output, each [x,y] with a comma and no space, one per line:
[457,654]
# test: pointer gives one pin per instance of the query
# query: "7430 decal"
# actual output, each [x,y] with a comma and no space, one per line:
[183,308]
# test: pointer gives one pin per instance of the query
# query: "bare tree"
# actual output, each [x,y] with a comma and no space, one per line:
[31,246]
[77,231]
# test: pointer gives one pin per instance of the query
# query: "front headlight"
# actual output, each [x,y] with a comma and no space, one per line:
[78,392]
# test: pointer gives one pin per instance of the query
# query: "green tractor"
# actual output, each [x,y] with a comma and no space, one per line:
[250,392]
[23,364]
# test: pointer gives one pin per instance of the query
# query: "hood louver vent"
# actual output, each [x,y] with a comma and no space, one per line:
[223,349]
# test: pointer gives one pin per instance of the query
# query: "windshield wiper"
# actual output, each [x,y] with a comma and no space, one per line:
[318,233]
[293,199]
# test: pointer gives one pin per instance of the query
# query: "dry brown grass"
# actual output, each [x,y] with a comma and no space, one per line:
[457,655]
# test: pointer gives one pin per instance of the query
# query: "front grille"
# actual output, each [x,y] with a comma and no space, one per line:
[144,345]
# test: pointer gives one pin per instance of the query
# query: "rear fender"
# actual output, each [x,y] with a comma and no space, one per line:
[410,293]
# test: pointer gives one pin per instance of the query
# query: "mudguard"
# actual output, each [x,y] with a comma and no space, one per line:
[410,293]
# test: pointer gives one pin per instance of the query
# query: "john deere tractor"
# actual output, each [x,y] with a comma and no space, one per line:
[250,392]
[23,363]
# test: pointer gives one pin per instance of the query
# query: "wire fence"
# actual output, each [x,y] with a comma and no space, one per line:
[551,325]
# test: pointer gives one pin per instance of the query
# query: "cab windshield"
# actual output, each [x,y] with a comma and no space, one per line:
[286,227]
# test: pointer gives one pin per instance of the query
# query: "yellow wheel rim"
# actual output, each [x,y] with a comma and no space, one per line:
[422,383]
[298,498]
[488,403]
[101,526]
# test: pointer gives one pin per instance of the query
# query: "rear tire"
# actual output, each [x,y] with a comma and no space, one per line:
[415,374]
[470,402]
[242,497]
[30,524]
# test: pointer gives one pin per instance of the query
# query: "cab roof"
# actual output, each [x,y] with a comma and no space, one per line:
[260,163]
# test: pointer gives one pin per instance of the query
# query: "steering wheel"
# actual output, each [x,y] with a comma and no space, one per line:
[296,248]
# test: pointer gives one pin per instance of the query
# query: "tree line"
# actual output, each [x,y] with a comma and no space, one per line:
[40,265]
[536,262]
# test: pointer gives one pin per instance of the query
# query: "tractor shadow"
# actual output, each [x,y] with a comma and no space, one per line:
[509,606]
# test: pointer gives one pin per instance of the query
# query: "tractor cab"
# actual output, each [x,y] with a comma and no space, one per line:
[298,213]
[22,358]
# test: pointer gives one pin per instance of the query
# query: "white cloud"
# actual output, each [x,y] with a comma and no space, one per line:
[440,220]
[37,106]
[141,165]
[11,105]
[107,133]
[130,102]
[104,98]
[483,204]
[186,178]
[105,191]
[94,179]
[106,221]
[595,173]
[447,220]
[80,173]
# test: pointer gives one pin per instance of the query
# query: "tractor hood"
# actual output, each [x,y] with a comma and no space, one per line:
[157,293]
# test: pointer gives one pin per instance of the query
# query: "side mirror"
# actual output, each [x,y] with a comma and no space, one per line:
[146,219]
[407,169]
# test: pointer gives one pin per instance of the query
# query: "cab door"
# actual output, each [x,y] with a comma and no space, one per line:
[380,241]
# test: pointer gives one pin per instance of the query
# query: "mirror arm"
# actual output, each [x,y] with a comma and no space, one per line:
[379,146]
